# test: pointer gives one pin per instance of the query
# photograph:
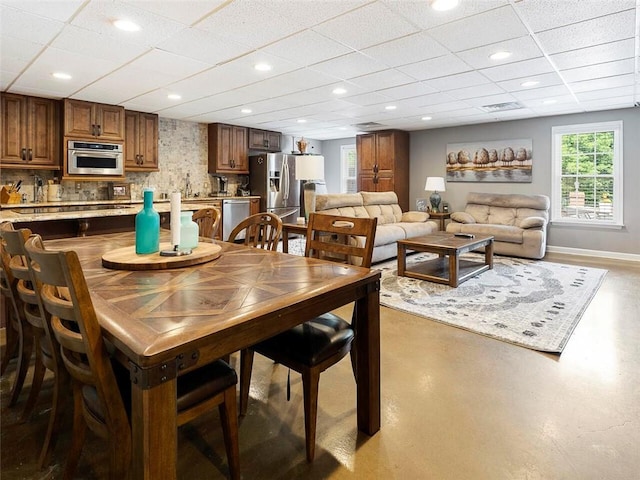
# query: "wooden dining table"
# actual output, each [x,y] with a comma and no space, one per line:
[163,323]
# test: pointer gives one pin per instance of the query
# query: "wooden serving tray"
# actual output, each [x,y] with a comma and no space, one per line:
[126,258]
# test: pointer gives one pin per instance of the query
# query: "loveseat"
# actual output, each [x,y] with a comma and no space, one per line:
[393,223]
[517,222]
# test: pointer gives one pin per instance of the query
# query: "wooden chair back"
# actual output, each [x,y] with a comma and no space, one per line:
[341,239]
[208,220]
[65,296]
[261,230]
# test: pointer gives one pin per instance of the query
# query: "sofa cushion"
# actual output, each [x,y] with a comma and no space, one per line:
[418,229]
[462,217]
[379,198]
[532,222]
[388,233]
[501,233]
[414,217]
[510,200]
[337,200]
[390,213]
[358,212]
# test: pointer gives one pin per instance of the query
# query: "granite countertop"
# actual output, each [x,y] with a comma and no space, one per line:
[38,212]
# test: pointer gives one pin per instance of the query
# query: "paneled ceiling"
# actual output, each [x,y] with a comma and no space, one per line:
[401,63]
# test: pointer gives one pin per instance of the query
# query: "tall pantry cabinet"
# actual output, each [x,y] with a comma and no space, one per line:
[383,163]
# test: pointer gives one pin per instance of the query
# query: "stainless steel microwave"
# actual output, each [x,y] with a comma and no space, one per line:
[92,158]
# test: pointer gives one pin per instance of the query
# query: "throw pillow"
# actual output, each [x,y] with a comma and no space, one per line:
[532,222]
[462,217]
[415,217]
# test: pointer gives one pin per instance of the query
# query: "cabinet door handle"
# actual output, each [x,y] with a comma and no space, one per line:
[30,154]
[93,129]
[141,159]
[266,143]
[23,154]
[232,163]
[375,168]
[99,129]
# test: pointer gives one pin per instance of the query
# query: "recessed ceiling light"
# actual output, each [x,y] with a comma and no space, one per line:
[262,67]
[61,75]
[530,83]
[500,55]
[174,96]
[390,107]
[246,110]
[342,128]
[126,25]
[442,5]
[339,90]
[426,118]
[302,120]
[551,101]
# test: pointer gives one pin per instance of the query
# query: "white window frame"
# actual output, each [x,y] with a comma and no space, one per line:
[556,182]
[344,167]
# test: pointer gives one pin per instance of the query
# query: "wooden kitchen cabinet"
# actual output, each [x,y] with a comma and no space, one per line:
[264,140]
[93,120]
[254,206]
[141,142]
[228,151]
[30,132]
[383,163]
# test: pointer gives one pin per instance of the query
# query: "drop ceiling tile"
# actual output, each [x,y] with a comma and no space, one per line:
[349,66]
[435,67]
[307,48]
[433,99]
[611,28]
[539,17]
[173,66]
[544,80]
[447,107]
[410,49]
[279,65]
[25,26]
[453,82]
[485,28]
[310,13]
[414,89]
[541,93]
[184,11]
[609,69]
[366,99]
[16,53]
[60,10]
[420,13]
[249,22]
[602,83]
[598,54]
[523,48]
[204,46]
[535,66]
[476,91]
[626,91]
[559,100]
[370,25]
[98,17]
[381,80]
[490,100]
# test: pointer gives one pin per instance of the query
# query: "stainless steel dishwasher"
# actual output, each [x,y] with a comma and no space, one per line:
[233,212]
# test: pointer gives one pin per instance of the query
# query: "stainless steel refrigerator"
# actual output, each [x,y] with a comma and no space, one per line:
[273,177]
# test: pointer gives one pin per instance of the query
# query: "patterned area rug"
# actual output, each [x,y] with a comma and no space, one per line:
[534,304]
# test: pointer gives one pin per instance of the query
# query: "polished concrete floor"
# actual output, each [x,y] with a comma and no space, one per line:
[455,405]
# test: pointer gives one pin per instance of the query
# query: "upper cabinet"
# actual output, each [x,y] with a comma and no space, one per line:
[383,163]
[30,132]
[228,151]
[93,120]
[264,140]
[141,142]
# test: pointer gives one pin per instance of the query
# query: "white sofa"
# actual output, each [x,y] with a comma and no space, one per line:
[517,222]
[393,223]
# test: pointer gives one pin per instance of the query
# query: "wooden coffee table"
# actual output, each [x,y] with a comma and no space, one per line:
[452,271]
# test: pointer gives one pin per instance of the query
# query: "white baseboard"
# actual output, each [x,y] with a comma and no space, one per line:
[629,257]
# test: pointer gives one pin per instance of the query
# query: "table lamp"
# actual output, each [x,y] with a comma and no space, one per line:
[309,167]
[435,184]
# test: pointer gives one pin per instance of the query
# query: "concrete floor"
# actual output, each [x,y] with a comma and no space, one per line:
[455,405]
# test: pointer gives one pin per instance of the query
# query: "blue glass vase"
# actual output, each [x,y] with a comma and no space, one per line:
[147,227]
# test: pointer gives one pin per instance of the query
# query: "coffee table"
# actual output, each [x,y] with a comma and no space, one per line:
[452,271]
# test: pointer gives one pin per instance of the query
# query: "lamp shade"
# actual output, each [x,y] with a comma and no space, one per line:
[309,167]
[434,184]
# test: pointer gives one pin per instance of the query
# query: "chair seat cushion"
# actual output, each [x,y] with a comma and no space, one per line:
[311,342]
[193,387]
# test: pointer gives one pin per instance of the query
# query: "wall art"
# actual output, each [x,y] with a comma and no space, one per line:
[490,161]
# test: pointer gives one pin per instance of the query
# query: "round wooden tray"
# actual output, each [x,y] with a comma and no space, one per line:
[126,258]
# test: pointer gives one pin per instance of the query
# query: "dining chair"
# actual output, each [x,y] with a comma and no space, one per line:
[18,334]
[315,345]
[261,230]
[101,387]
[47,354]
[208,220]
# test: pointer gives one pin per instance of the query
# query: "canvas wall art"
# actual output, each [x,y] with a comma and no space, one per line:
[490,161]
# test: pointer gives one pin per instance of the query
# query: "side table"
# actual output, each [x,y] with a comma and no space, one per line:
[441,217]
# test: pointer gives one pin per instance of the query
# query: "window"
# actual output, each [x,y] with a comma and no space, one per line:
[587,174]
[348,169]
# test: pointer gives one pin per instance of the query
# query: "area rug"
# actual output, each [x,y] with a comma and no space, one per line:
[534,304]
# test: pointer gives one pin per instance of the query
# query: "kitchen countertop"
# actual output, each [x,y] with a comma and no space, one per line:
[97,208]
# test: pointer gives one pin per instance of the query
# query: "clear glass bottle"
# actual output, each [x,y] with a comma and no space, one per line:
[147,226]
[188,232]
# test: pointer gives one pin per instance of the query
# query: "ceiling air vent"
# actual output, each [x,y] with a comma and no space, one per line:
[368,125]
[501,107]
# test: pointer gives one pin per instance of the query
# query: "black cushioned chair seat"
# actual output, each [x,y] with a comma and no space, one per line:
[311,342]
[193,387]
